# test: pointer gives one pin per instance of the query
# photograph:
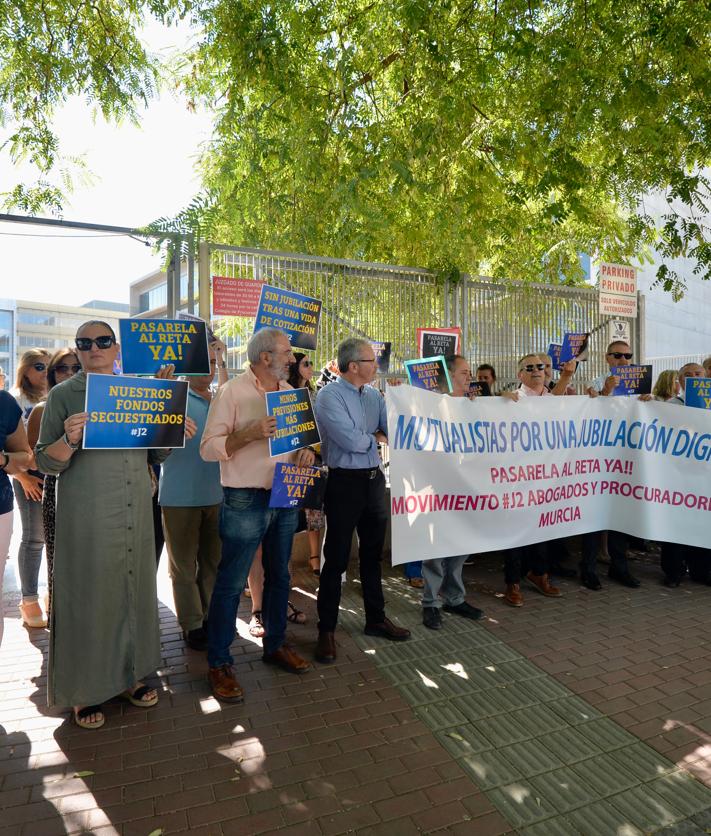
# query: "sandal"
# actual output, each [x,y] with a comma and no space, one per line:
[295,616]
[315,564]
[136,696]
[256,625]
[81,717]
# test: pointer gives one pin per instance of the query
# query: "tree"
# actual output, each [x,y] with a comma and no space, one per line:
[53,49]
[500,137]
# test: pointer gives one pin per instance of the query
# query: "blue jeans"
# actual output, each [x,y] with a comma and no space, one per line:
[412,569]
[246,520]
[29,555]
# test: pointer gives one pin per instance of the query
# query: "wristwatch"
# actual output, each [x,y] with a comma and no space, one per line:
[65,439]
[6,462]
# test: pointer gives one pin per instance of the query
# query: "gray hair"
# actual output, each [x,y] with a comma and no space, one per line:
[349,351]
[263,340]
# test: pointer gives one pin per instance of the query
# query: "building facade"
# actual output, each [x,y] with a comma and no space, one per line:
[25,324]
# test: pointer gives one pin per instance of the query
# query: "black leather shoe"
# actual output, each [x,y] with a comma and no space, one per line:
[591,581]
[432,618]
[196,639]
[465,610]
[387,630]
[672,583]
[624,578]
[562,571]
[325,648]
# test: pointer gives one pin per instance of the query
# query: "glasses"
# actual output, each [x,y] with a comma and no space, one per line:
[618,355]
[39,367]
[64,368]
[85,343]
[532,367]
[360,360]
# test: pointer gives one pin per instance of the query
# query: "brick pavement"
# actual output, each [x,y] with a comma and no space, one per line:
[622,705]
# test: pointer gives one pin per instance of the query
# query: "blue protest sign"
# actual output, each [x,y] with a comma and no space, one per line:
[429,373]
[575,347]
[130,412]
[479,389]
[634,380]
[554,350]
[296,423]
[148,344]
[297,487]
[297,315]
[382,355]
[697,392]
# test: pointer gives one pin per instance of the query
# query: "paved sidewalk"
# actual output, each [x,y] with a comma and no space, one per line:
[590,714]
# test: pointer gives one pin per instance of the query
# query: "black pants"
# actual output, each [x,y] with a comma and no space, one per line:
[532,558]
[676,557]
[617,543]
[353,501]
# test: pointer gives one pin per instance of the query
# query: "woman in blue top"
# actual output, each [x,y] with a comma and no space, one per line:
[14,458]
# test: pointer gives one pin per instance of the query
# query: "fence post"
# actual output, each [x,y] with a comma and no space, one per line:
[465,318]
[641,327]
[191,274]
[171,282]
[204,281]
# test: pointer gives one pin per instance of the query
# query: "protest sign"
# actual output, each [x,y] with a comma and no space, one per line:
[554,350]
[382,355]
[296,424]
[494,474]
[697,392]
[148,344]
[618,290]
[297,487]
[235,297]
[429,373]
[130,412]
[479,389]
[619,331]
[634,380]
[433,342]
[575,347]
[295,314]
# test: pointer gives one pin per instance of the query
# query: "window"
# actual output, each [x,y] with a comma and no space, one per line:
[35,318]
[156,297]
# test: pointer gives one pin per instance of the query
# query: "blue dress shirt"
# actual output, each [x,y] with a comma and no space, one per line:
[348,418]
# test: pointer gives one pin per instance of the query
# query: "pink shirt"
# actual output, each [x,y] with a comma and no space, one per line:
[526,392]
[238,402]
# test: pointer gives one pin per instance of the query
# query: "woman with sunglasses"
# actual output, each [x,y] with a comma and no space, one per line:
[104,619]
[63,365]
[30,389]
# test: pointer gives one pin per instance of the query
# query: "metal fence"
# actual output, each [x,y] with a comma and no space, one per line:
[499,322]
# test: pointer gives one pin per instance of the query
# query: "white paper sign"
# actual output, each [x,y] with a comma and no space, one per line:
[618,290]
[489,474]
[619,331]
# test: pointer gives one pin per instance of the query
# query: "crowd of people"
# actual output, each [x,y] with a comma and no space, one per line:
[101,515]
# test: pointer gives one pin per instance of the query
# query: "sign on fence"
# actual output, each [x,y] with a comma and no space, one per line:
[618,290]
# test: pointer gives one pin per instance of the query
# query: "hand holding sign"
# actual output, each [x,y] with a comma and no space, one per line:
[74,426]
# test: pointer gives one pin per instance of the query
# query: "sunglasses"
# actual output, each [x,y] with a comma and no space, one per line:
[64,368]
[533,366]
[618,355]
[39,367]
[306,363]
[85,343]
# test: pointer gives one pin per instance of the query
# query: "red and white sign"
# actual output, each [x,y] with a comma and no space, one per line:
[618,290]
[235,297]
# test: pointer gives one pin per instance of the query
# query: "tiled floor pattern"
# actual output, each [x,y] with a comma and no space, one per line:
[547,759]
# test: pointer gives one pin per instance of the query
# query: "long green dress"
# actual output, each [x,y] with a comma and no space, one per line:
[104,629]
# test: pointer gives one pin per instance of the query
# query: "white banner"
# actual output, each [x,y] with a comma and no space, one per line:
[475,476]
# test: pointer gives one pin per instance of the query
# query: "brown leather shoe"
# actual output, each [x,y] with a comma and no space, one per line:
[543,585]
[326,648]
[387,630]
[288,659]
[513,595]
[224,685]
